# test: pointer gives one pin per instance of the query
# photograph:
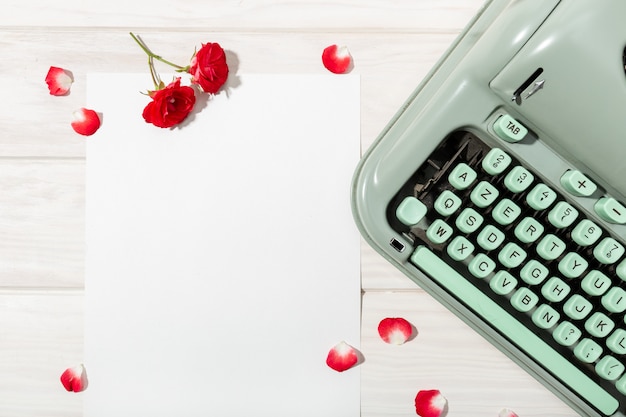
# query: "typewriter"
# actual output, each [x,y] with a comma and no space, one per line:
[499,187]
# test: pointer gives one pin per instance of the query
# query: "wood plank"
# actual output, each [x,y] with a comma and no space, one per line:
[476,378]
[250,14]
[42,335]
[378,274]
[42,214]
[37,124]
[390,67]
[41,223]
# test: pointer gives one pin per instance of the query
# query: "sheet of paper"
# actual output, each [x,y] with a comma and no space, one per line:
[222,259]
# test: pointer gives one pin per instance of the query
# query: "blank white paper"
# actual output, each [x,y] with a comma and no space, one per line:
[222,259]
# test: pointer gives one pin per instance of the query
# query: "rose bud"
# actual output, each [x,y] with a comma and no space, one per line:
[170,105]
[208,68]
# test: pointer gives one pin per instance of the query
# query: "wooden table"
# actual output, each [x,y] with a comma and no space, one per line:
[42,188]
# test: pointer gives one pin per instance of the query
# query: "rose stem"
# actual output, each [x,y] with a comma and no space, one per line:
[152,55]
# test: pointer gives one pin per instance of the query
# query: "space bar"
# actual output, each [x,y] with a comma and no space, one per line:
[519,334]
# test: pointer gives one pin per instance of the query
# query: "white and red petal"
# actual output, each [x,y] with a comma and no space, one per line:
[430,403]
[85,121]
[75,378]
[395,330]
[505,412]
[337,59]
[342,357]
[59,81]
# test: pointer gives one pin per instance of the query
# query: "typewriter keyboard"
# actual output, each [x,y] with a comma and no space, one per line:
[525,259]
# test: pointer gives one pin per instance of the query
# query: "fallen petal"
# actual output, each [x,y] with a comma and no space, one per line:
[395,330]
[430,403]
[505,412]
[85,121]
[336,59]
[342,357]
[59,81]
[74,379]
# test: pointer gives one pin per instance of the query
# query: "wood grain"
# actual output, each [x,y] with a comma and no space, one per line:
[41,336]
[447,355]
[390,68]
[42,223]
[237,15]
[394,45]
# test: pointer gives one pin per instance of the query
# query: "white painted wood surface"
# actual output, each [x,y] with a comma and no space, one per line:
[394,44]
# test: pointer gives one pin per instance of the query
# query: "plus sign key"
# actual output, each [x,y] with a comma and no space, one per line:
[576,183]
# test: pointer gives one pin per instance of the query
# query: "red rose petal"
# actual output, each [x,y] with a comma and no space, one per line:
[395,330]
[85,121]
[59,81]
[430,403]
[74,379]
[342,357]
[336,59]
[505,412]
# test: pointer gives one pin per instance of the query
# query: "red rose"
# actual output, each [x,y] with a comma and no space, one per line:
[170,105]
[208,68]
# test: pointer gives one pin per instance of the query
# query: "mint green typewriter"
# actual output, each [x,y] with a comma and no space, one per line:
[500,188]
